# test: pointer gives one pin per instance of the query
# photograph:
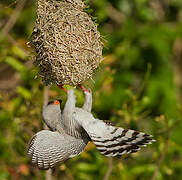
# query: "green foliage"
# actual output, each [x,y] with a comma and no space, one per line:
[138,85]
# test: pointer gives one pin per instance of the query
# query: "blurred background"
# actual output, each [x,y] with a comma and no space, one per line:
[138,86]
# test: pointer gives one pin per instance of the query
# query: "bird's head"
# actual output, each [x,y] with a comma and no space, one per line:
[52,113]
[55,102]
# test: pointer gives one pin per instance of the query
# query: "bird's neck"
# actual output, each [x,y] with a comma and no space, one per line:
[51,115]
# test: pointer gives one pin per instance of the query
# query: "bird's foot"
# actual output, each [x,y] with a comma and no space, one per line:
[83,88]
[61,87]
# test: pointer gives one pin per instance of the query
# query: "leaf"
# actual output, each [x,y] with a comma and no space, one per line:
[14,63]
[18,52]
[24,92]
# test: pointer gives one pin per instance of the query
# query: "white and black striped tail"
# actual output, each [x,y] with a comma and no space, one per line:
[116,141]
[128,141]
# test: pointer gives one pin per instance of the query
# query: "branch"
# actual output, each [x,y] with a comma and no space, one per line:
[46,99]
[156,172]
[114,14]
[12,20]
[110,168]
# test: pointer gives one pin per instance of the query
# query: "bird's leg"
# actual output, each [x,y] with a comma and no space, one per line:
[70,104]
[83,88]
[88,98]
[61,87]
[87,106]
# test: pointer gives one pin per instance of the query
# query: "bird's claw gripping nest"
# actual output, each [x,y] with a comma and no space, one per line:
[80,86]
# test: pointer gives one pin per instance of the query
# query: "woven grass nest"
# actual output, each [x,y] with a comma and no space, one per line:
[66,41]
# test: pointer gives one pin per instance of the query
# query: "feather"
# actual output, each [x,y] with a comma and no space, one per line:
[114,141]
[48,148]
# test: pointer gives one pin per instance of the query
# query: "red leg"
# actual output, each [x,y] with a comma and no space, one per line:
[61,87]
[83,88]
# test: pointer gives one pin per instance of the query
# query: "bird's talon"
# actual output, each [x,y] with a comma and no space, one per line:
[61,87]
[83,88]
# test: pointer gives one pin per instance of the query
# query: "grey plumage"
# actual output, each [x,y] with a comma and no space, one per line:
[48,148]
[73,128]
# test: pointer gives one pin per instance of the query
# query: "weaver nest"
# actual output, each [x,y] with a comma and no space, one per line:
[66,41]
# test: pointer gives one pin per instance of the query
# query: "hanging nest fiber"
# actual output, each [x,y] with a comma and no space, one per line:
[66,41]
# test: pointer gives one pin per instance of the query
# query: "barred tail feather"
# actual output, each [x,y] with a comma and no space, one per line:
[116,141]
[123,144]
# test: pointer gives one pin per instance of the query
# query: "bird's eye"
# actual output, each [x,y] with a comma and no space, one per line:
[55,102]
[50,102]
[60,101]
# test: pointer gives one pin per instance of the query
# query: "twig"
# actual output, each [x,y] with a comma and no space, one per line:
[69,174]
[12,20]
[46,99]
[114,14]
[161,159]
[110,168]
[46,95]
[14,42]
[177,53]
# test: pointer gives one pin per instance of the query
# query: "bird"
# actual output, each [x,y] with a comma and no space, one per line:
[72,128]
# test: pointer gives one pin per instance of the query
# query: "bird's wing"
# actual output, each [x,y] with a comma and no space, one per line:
[114,141]
[47,148]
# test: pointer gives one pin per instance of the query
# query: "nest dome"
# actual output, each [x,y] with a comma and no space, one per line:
[66,41]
